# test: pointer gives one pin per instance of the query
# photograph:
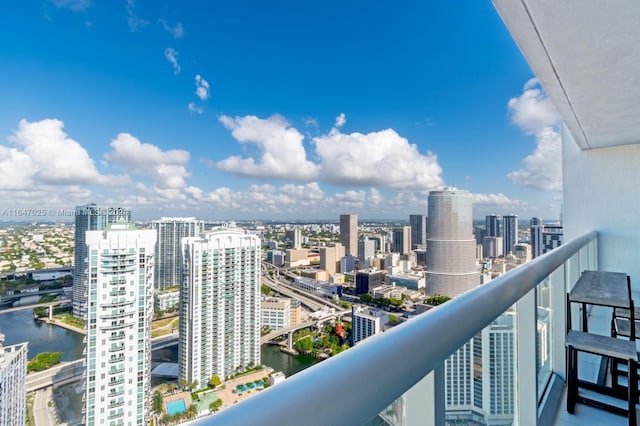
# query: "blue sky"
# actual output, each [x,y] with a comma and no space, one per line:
[270,110]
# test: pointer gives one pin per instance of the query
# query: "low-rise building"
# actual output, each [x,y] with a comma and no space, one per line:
[166,299]
[275,312]
[366,322]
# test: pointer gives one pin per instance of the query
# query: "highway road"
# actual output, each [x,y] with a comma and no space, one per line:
[37,305]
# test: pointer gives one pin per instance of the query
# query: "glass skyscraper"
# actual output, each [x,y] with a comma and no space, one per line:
[89,217]
[171,231]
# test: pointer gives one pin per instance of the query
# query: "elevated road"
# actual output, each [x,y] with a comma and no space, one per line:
[281,332]
[64,372]
[36,305]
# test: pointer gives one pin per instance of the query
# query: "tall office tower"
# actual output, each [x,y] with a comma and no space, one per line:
[330,258]
[89,217]
[451,247]
[552,236]
[402,240]
[349,233]
[219,305]
[492,247]
[492,225]
[418,223]
[13,383]
[510,232]
[118,364]
[536,237]
[171,231]
[366,249]
[294,238]
[479,232]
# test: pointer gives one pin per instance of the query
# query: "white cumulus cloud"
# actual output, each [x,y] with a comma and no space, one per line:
[381,158]
[172,57]
[282,154]
[534,114]
[45,154]
[341,120]
[166,168]
[202,88]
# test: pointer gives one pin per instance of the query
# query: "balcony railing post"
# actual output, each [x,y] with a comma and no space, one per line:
[424,403]
[527,399]
[558,321]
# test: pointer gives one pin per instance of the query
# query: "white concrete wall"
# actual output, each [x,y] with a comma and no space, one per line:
[602,193]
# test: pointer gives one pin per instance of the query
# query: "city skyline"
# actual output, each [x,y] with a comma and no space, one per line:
[221,114]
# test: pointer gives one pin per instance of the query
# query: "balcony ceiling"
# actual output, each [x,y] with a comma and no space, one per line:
[586,55]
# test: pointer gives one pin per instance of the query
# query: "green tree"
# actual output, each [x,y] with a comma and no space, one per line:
[214,381]
[305,344]
[393,319]
[215,405]
[44,360]
[437,299]
[157,402]
[395,302]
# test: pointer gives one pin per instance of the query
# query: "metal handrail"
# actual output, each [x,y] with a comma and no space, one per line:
[366,383]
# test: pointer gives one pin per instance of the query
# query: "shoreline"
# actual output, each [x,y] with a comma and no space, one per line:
[63,325]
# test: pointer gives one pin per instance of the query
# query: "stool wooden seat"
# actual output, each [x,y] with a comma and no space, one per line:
[618,349]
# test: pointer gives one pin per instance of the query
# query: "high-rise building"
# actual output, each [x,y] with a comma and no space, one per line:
[402,240]
[509,232]
[330,258]
[219,305]
[552,236]
[349,233]
[366,249]
[451,247]
[492,227]
[418,223]
[120,261]
[492,247]
[535,232]
[171,230]
[293,238]
[89,217]
[13,383]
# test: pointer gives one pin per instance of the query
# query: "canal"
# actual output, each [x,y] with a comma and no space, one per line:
[20,326]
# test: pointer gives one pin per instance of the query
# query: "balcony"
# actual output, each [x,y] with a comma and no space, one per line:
[525,305]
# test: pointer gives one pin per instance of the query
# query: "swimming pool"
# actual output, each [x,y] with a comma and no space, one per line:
[177,406]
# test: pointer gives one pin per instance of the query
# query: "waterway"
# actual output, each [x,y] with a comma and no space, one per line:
[19,326]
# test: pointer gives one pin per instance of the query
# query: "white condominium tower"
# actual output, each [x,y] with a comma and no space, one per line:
[89,217]
[13,384]
[219,305]
[171,231]
[120,310]
[451,247]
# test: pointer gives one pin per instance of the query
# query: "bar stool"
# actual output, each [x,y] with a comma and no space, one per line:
[605,289]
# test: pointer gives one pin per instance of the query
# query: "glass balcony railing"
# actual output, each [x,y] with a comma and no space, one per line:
[489,356]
